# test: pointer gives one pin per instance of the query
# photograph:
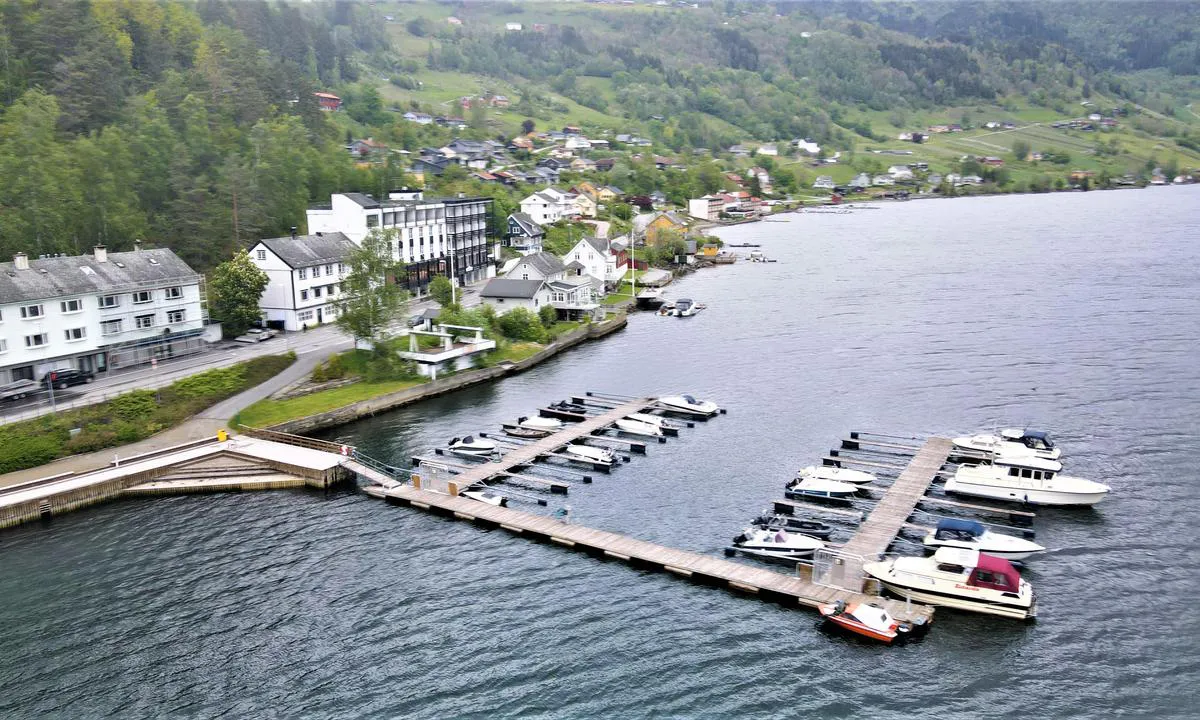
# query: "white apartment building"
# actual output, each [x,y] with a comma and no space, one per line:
[549,206]
[305,275]
[97,312]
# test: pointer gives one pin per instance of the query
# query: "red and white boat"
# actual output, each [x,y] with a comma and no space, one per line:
[864,619]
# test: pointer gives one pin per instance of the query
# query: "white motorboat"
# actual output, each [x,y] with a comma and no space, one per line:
[637,427]
[791,523]
[957,578]
[820,488]
[1032,462]
[587,453]
[688,404]
[687,308]
[486,496]
[1012,441]
[776,543]
[655,420]
[971,535]
[844,475]
[1025,485]
[547,425]
[473,447]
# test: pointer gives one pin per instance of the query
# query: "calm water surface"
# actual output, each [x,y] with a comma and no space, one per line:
[1078,312]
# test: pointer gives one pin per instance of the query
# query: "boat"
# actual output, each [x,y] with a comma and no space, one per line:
[972,535]
[866,619]
[587,453]
[1025,485]
[570,407]
[843,475]
[655,420]
[815,487]
[757,256]
[684,307]
[776,543]
[666,309]
[526,433]
[649,299]
[473,447]
[548,425]
[637,427]
[1012,441]
[688,404]
[812,528]
[486,496]
[958,578]
[1030,462]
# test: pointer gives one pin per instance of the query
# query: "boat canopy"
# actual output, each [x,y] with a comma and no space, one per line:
[996,573]
[689,399]
[873,617]
[1035,439]
[1028,461]
[954,528]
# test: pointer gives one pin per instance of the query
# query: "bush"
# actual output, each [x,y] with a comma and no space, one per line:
[548,315]
[332,369]
[521,324]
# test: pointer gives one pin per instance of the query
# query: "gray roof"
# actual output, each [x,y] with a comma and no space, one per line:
[600,244]
[83,275]
[309,250]
[576,265]
[511,288]
[363,199]
[527,223]
[546,263]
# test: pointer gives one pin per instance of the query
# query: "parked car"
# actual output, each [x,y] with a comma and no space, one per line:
[18,389]
[254,335]
[61,379]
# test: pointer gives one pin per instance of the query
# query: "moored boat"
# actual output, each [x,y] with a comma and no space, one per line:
[587,453]
[1011,441]
[1025,485]
[778,543]
[473,447]
[546,425]
[958,578]
[688,404]
[570,407]
[486,496]
[812,528]
[844,475]
[864,619]
[814,487]
[655,420]
[972,535]
[637,427]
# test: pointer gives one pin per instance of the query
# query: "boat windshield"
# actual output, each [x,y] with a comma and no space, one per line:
[873,617]
[690,400]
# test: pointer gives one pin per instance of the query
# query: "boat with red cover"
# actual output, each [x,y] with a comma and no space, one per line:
[958,578]
[865,619]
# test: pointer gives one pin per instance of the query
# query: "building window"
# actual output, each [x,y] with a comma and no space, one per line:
[341,269]
[372,221]
[328,270]
[3,346]
[142,297]
[304,316]
[30,312]
[75,334]
[110,327]
[175,316]
[316,292]
[262,254]
[303,294]
[174,293]
[302,273]
[71,306]
[141,322]
[110,301]
[32,341]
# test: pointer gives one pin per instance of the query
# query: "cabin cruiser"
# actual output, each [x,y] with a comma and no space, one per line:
[844,475]
[1012,441]
[688,404]
[587,453]
[779,543]
[815,487]
[866,619]
[473,447]
[486,496]
[958,578]
[1025,485]
[637,427]
[971,535]
[812,528]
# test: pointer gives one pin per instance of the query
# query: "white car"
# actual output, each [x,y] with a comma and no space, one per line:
[254,335]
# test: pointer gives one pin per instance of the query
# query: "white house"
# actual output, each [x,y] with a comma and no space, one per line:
[524,235]
[97,312]
[583,206]
[900,172]
[538,266]
[507,293]
[593,256]
[548,206]
[513,26]
[825,182]
[768,149]
[304,274]
[807,146]
[861,180]
[882,180]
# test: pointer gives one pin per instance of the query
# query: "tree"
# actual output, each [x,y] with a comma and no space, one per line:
[236,286]
[548,315]
[522,324]
[371,300]
[442,290]
[1020,149]
[622,211]
[528,126]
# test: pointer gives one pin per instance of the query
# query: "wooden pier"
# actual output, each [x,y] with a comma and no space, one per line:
[891,513]
[768,584]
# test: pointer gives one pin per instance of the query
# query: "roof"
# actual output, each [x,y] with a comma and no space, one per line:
[546,263]
[999,567]
[363,199]
[81,275]
[511,288]
[527,224]
[600,244]
[308,250]
[576,265]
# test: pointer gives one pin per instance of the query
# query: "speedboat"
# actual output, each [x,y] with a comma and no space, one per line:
[545,425]
[864,619]
[958,578]
[844,475]
[637,427]
[655,420]
[564,406]
[971,535]
[685,308]
[776,544]
[486,496]
[1012,441]
[812,528]
[587,453]
[814,487]
[688,404]
[1025,485]
[473,447]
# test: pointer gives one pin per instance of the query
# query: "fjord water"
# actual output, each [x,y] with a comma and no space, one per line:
[1075,312]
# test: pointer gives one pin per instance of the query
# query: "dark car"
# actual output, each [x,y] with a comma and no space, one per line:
[64,378]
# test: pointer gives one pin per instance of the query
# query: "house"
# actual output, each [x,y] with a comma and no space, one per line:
[328,101]
[577,296]
[513,26]
[499,101]
[735,179]
[538,266]
[900,172]
[368,148]
[304,278]
[577,142]
[418,117]
[586,188]
[707,208]
[882,180]
[97,312]
[824,182]
[593,256]
[506,293]
[609,193]
[548,206]
[769,149]
[524,235]
[520,143]
[861,181]
[764,179]
[582,165]
[605,164]
[992,161]
[658,199]
[739,150]
[653,225]
[623,138]
[807,146]
[1078,176]
[584,206]
[434,165]
[934,179]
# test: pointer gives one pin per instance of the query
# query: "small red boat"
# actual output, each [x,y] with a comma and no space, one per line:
[864,619]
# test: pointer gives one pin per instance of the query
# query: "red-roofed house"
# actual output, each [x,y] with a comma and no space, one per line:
[328,101]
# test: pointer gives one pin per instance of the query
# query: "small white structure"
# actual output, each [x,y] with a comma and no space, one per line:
[825,182]
[883,180]
[513,26]
[807,146]
[900,172]
[708,207]
[507,293]
[548,206]
[455,350]
[305,275]
[769,149]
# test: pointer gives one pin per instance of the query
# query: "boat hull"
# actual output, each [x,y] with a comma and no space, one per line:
[960,603]
[830,614]
[1028,496]
[995,552]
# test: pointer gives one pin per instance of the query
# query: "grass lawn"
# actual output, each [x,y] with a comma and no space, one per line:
[515,352]
[265,413]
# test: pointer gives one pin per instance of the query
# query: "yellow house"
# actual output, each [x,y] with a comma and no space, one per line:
[586,188]
[709,250]
[605,195]
[651,226]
